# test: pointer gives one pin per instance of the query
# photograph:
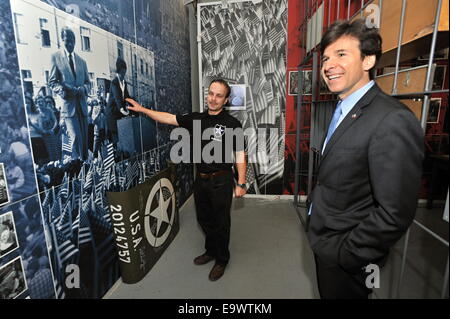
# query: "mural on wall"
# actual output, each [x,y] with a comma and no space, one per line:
[74,93]
[25,267]
[245,43]
[15,150]
[158,26]
[67,227]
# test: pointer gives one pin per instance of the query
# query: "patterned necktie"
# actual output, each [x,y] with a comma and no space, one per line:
[334,121]
[72,66]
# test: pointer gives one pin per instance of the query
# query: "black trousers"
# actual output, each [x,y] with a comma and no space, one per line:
[213,199]
[336,283]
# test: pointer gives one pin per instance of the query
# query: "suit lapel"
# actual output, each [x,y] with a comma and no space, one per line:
[355,113]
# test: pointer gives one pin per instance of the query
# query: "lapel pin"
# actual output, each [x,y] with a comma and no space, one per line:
[354,116]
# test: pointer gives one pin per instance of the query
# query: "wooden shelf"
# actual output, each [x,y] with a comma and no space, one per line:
[408,81]
[418,29]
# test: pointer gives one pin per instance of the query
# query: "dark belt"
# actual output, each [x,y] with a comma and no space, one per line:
[213,174]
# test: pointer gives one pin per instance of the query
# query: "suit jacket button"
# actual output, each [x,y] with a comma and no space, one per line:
[318,183]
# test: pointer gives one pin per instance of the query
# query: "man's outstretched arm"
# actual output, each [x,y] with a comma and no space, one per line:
[161,117]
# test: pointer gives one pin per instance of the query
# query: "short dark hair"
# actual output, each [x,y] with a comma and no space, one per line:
[224,83]
[65,31]
[120,64]
[369,38]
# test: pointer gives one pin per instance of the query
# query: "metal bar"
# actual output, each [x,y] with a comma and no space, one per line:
[312,126]
[445,285]
[426,100]
[442,240]
[415,94]
[402,270]
[199,57]
[381,10]
[297,136]
[403,70]
[304,31]
[399,46]
[322,101]
[329,13]
[348,9]
[297,209]
[338,10]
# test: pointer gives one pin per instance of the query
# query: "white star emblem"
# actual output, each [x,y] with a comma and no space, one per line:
[219,130]
[160,213]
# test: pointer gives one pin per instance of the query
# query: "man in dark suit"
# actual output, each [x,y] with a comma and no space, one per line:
[69,79]
[118,92]
[369,172]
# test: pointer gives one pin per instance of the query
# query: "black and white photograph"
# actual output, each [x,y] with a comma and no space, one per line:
[4,196]
[306,83]
[75,93]
[12,279]
[434,110]
[237,98]
[439,77]
[8,234]
[293,82]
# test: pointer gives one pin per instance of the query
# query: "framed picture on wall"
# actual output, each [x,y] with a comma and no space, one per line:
[439,77]
[237,99]
[433,112]
[4,195]
[8,234]
[293,83]
[306,83]
[12,279]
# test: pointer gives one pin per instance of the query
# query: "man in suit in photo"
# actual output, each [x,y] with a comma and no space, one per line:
[369,171]
[116,106]
[69,79]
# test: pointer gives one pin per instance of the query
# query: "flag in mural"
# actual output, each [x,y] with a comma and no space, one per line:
[245,43]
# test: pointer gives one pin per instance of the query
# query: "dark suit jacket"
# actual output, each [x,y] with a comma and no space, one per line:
[368,180]
[115,102]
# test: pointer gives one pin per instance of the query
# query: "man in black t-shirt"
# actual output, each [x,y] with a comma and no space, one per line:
[215,136]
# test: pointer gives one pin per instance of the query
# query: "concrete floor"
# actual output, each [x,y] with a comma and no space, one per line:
[271,259]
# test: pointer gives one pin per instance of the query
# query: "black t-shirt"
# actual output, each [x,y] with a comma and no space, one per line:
[218,133]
